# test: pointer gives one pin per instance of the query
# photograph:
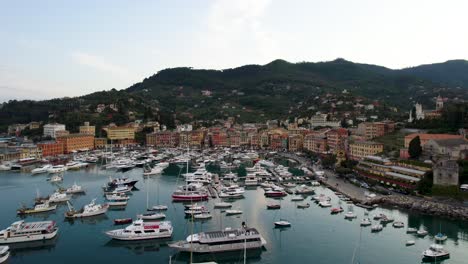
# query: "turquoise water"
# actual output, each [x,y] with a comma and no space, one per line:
[315,235]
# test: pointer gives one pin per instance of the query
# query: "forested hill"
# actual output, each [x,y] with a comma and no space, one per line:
[252,92]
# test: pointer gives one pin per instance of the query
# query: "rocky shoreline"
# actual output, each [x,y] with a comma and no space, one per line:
[424,206]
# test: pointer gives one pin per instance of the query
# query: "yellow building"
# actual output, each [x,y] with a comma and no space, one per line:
[118,133]
[359,150]
[30,152]
[87,129]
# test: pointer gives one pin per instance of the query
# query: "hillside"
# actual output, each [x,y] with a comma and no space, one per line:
[251,93]
[451,73]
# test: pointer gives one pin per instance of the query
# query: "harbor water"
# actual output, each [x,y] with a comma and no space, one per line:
[315,236]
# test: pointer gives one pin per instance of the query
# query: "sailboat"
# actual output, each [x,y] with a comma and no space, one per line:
[158,207]
[440,237]
[151,215]
[282,222]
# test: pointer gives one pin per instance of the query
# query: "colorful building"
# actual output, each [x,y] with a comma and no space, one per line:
[118,133]
[76,142]
[51,148]
[359,150]
[87,129]
[163,139]
[424,138]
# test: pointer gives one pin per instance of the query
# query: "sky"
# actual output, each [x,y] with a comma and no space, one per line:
[52,49]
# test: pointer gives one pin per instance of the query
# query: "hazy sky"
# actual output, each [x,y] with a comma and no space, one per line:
[67,48]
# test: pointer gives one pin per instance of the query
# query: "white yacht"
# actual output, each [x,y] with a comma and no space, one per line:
[140,230]
[88,210]
[204,215]
[21,231]
[75,165]
[151,216]
[244,238]
[153,171]
[350,215]
[233,212]
[58,197]
[4,253]
[42,169]
[159,207]
[434,253]
[223,205]
[117,197]
[282,223]
[422,233]
[56,178]
[366,222]
[251,180]
[57,169]
[75,189]
[377,228]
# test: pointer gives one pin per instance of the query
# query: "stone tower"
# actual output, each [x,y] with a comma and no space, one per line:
[439,103]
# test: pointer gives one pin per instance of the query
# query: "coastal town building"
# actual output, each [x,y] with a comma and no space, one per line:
[322,120]
[76,142]
[371,130]
[451,148]
[51,148]
[30,151]
[87,129]
[420,114]
[359,150]
[9,154]
[120,132]
[62,133]
[163,139]
[446,172]
[100,143]
[424,138]
[389,173]
[52,128]
[295,142]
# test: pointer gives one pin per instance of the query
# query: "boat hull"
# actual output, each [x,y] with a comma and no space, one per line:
[201,249]
[117,236]
[182,198]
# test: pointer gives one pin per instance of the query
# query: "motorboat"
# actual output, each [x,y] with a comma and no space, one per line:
[422,233]
[117,197]
[117,203]
[398,224]
[204,215]
[43,169]
[159,207]
[440,237]
[224,240]
[190,193]
[366,222]
[297,198]
[21,231]
[5,167]
[56,178]
[233,212]
[251,180]
[379,216]
[435,253]
[58,197]
[156,170]
[121,181]
[223,205]
[282,223]
[305,190]
[118,190]
[377,228]
[411,230]
[140,230]
[336,210]
[303,205]
[122,221]
[386,220]
[410,243]
[151,216]
[75,189]
[38,208]
[91,209]
[75,165]
[273,206]
[325,203]
[57,169]
[350,215]
[4,253]
[275,193]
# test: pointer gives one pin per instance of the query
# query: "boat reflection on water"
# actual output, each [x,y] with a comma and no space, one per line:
[43,216]
[139,247]
[253,256]
[92,220]
[21,249]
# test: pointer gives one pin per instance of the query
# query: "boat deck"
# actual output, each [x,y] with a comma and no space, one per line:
[35,226]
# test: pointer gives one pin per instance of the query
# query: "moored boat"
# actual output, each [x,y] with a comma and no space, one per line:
[38,208]
[4,253]
[151,216]
[21,231]
[282,223]
[91,209]
[435,253]
[122,221]
[140,230]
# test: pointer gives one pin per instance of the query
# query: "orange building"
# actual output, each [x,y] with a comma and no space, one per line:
[50,148]
[100,143]
[74,142]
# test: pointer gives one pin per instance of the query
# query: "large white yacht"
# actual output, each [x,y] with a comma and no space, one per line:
[4,253]
[140,230]
[57,169]
[21,231]
[42,169]
[244,238]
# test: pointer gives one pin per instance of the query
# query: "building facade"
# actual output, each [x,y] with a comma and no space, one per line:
[51,148]
[87,129]
[359,150]
[119,133]
[51,129]
[76,142]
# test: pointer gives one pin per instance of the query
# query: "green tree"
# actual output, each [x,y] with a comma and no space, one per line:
[415,148]
[425,184]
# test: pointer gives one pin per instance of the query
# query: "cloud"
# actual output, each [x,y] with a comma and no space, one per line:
[101,64]
[235,33]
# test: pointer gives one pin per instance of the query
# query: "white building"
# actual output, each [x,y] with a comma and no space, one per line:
[51,129]
[321,120]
